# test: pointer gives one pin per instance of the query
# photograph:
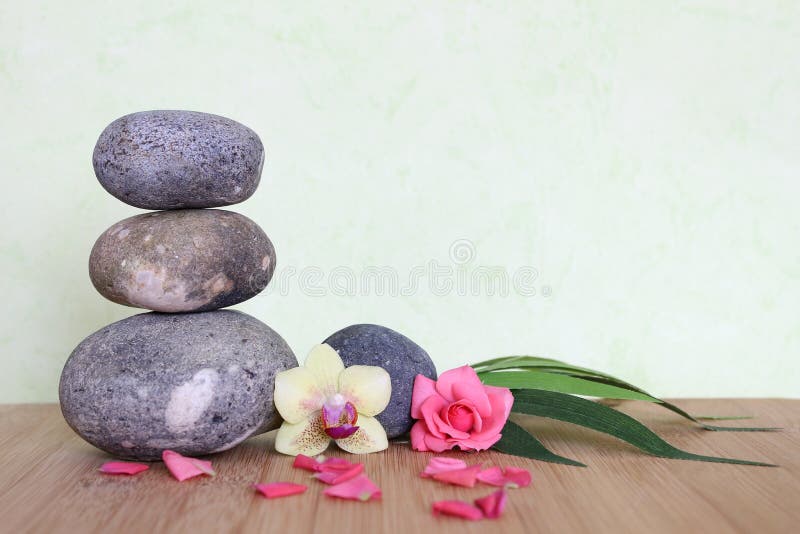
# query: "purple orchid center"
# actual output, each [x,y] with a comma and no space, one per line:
[339,417]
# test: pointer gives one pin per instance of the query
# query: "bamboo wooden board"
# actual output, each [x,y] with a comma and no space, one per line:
[49,483]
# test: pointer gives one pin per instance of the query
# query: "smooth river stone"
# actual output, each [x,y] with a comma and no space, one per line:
[182,260]
[194,383]
[370,344]
[178,159]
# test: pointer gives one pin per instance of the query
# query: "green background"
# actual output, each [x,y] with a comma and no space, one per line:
[643,157]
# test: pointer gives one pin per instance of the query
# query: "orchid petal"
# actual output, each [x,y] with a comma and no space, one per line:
[424,387]
[184,467]
[492,505]
[459,477]
[341,431]
[306,437]
[297,394]
[457,509]
[337,474]
[274,490]
[368,387]
[326,365]
[370,437]
[440,464]
[359,488]
[512,477]
[123,468]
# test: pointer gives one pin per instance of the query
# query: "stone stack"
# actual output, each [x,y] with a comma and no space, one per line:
[187,376]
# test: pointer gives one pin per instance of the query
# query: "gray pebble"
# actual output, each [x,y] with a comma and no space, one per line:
[182,260]
[369,344]
[167,159]
[194,383]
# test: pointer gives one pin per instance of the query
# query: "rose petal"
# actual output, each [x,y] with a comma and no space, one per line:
[437,444]
[336,474]
[301,461]
[418,434]
[492,505]
[440,464]
[333,461]
[463,383]
[274,490]
[359,488]
[512,477]
[424,387]
[123,468]
[457,509]
[460,477]
[184,467]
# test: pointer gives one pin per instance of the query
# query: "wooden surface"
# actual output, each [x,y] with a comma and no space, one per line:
[49,483]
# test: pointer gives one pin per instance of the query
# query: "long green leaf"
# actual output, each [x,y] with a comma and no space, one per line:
[519,442]
[549,365]
[571,409]
[533,379]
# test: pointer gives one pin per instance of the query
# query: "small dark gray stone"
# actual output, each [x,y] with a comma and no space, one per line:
[182,260]
[194,383]
[167,159]
[370,344]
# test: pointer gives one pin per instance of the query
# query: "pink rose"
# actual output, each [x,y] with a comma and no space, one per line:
[457,411]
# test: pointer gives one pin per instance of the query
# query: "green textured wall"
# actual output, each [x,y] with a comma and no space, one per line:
[642,157]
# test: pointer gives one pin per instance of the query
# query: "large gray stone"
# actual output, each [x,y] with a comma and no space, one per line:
[168,159]
[182,260]
[195,383]
[370,344]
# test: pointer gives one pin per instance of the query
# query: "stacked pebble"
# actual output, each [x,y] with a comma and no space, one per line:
[183,377]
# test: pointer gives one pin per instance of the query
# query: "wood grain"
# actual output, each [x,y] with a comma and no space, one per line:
[49,483]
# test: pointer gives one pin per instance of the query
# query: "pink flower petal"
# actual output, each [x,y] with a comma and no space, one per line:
[123,468]
[463,383]
[359,488]
[512,477]
[457,509]
[301,461]
[336,474]
[424,387]
[274,490]
[184,467]
[440,464]
[492,505]
[460,477]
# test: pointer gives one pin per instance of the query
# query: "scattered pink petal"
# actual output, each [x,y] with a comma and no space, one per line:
[460,477]
[493,504]
[457,509]
[336,474]
[333,460]
[123,468]
[184,467]
[301,461]
[512,477]
[439,464]
[359,488]
[273,490]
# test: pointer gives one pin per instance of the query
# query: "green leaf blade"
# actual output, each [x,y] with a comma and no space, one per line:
[519,442]
[575,410]
[534,379]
